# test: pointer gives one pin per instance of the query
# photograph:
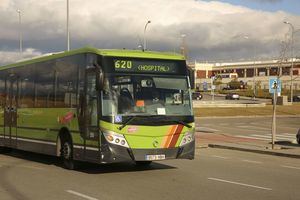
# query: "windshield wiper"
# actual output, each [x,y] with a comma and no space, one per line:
[127,122]
[182,123]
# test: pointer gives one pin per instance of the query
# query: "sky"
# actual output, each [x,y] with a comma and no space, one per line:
[227,30]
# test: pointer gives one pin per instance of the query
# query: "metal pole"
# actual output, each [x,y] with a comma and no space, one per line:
[183,48]
[292,55]
[274,117]
[68,31]
[292,68]
[20,32]
[145,43]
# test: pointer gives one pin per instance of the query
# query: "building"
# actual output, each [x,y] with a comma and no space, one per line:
[250,72]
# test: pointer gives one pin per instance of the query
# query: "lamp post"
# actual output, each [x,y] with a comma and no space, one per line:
[20,32]
[145,42]
[68,31]
[292,52]
[246,37]
[183,47]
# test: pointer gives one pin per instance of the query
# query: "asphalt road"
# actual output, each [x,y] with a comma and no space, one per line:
[251,127]
[221,99]
[214,174]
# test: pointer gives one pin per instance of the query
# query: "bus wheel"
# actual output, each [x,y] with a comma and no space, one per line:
[5,150]
[143,163]
[67,154]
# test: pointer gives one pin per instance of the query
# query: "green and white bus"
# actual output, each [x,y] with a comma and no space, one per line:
[102,106]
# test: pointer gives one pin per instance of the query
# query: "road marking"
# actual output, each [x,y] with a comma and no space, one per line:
[250,137]
[290,167]
[254,127]
[237,183]
[81,195]
[267,137]
[252,161]
[224,124]
[215,156]
[205,129]
[31,167]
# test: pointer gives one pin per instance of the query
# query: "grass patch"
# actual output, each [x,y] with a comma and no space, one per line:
[247,111]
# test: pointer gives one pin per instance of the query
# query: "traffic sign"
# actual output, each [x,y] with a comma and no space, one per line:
[273,84]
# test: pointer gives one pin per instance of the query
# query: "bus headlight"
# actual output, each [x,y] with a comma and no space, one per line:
[115,138]
[187,138]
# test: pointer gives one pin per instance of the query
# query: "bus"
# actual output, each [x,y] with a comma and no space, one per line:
[101,106]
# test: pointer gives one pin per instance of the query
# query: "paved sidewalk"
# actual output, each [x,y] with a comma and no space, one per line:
[225,141]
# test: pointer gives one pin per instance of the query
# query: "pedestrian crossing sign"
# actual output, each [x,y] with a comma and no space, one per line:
[273,84]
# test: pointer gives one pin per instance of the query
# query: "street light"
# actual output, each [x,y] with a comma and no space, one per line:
[20,31]
[292,52]
[145,44]
[246,37]
[68,31]
[183,47]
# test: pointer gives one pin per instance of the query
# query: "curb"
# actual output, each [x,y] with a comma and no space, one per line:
[254,151]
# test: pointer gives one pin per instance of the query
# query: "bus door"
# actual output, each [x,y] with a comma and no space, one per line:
[10,111]
[89,116]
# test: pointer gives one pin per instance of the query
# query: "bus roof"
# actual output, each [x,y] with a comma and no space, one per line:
[103,52]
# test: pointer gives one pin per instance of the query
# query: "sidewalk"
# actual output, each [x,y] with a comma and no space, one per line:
[224,141]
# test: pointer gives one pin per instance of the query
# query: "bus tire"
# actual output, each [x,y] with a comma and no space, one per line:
[143,163]
[67,153]
[298,136]
[5,150]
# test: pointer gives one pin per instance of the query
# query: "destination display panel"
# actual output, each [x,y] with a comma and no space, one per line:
[145,66]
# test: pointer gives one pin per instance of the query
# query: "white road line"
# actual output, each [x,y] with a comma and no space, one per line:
[31,167]
[249,137]
[270,136]
[252,161]
[289,134]
[237,183]
[254,127]
[203,128]
[81,195]
[290,167]
[224,124]
[215,156]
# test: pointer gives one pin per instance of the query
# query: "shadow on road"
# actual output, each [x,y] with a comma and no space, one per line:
[86,167]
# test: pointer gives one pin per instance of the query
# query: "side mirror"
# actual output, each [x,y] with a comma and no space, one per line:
[191,73]
[99,77]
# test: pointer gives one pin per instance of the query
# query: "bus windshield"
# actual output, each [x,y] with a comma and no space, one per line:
[134,95]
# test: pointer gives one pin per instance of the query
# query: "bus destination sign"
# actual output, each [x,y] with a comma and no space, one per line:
[146,66]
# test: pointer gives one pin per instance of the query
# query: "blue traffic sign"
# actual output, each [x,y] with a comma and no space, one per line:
[273,84]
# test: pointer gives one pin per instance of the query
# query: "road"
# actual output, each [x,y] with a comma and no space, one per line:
[221,99]
[251,127]
[214,174]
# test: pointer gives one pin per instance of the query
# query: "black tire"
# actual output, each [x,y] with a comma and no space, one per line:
[5,150]
[67,154]
[143,163]
[298,136]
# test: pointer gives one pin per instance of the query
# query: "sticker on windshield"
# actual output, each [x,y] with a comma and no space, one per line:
[161,111]
[118,118]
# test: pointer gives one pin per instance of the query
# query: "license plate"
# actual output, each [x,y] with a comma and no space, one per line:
[156,157]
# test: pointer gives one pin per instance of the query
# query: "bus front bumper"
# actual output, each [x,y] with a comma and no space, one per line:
[113,153]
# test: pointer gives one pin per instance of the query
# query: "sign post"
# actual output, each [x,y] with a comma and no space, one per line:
[274,88]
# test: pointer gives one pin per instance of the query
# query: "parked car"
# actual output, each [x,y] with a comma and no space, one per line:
[232,96]
[298,136]
[296,98]
[197,96]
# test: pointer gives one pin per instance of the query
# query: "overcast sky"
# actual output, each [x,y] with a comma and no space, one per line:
[215,30]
